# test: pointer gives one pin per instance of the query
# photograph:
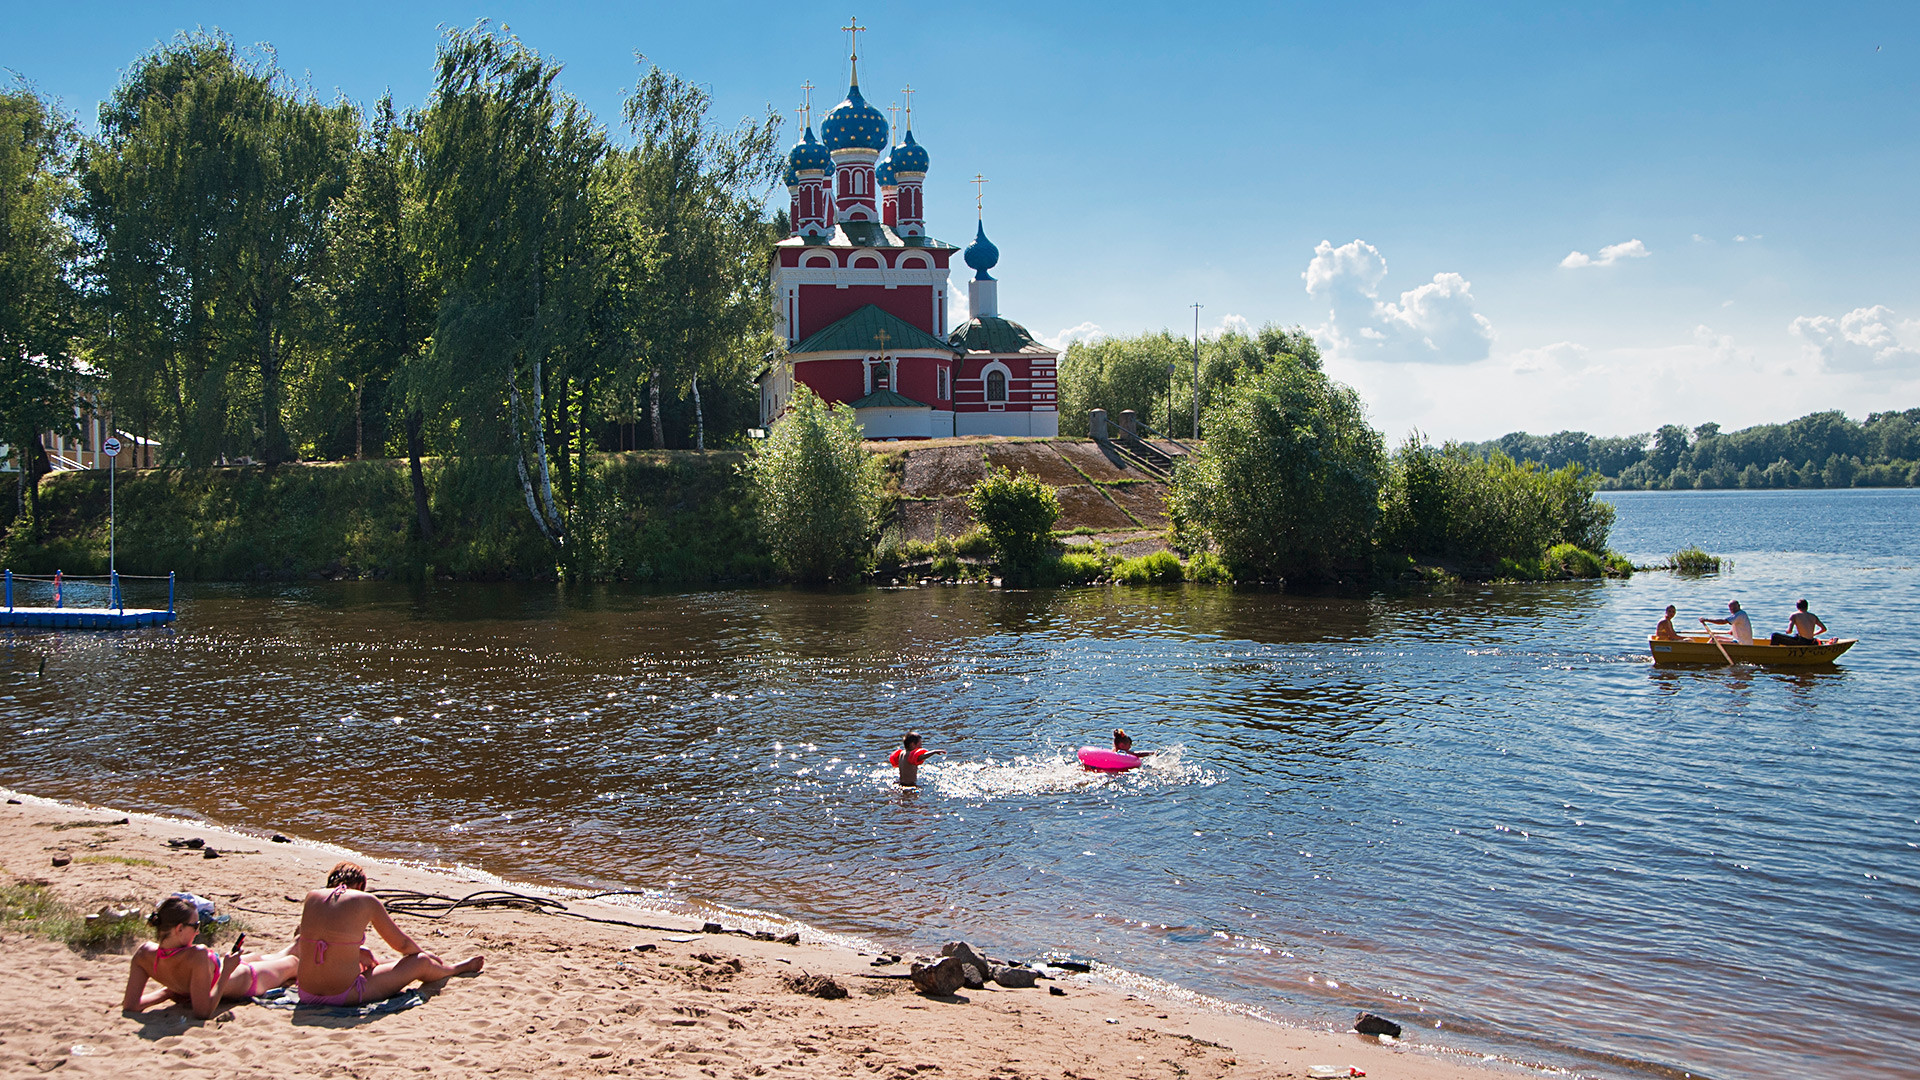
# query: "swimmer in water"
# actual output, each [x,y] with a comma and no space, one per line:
[1123,743]
[908,758]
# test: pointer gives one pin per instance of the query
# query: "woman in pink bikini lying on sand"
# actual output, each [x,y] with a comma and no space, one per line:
[193,973]
[336,967]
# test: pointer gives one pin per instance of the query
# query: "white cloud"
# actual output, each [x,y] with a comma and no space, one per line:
[1086,331]
[959,307]
[1229,324]
[1559,357]
[1434,323]
[1864,339]
[1612,253]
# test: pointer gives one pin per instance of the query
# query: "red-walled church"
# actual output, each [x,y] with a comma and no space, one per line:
[860,292]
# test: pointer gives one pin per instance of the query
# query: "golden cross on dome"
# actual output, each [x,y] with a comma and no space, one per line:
[807,89]
[882,338]
[980,194]
[907,93]
[854,30]
[893,114]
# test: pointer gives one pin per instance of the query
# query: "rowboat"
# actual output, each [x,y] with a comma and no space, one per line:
[1704,649]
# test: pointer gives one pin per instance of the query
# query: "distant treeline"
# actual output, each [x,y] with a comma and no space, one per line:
[1819,450]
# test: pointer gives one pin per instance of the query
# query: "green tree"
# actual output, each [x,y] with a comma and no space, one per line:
[1017,513]
[1454,503]
[1287,483]
[816,491]
[377,306]
[697,194]
[38,303]
[506,173]
[1152,374]
[206,196]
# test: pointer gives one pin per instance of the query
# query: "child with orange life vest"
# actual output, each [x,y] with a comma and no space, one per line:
[908,758]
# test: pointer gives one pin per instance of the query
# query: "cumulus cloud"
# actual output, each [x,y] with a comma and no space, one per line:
[1086,331]
[1612,253]
[1229,324]
[1561,356]
[1864,339]
[1434,323]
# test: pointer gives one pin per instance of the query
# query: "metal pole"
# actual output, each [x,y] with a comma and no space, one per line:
[170,592]
[1196,373]
[112,570]
[9,590]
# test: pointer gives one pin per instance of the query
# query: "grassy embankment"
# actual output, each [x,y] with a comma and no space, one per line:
[671,517]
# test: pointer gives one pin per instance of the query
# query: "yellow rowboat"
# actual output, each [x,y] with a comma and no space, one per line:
[1700,649]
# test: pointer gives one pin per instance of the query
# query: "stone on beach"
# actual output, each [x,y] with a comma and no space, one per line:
[1373,1024]
[939,979]
[1014,977]
[973,966]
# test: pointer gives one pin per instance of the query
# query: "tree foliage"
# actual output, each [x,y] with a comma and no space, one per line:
[39,312]
[206,196]
[816,491]
[1017,513]
[1452,503]
[1286,484]
[1151,373]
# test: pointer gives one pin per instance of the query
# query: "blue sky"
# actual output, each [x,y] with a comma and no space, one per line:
[1411,181]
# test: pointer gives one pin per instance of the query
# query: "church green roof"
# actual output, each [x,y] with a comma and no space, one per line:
[887,399]
[993,334]
[860,332]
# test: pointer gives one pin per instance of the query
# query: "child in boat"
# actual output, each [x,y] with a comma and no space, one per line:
[1803,628]
[195,974]
[1665,631]
[908,758]
[1123,744]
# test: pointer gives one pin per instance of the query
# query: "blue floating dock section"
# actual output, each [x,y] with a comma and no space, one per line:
[114,614]
[85,618]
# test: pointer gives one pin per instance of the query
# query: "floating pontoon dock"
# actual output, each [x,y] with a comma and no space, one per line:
[112,615]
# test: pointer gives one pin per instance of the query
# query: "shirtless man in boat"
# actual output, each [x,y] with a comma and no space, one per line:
[1665,631]
[1803,628]
[1736,623]
[336,967]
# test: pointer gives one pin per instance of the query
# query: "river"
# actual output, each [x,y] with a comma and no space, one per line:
[1480,811]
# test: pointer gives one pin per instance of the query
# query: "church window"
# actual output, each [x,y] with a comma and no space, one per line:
[996,386]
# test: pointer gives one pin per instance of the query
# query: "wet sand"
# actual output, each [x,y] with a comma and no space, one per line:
[564,997]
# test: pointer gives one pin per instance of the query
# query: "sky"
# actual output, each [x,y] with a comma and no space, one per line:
[1493,216]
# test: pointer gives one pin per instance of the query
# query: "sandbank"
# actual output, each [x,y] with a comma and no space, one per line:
[563,997]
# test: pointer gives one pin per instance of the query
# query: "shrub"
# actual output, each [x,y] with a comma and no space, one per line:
[1568,560]
[1016,512]
[1077,568]
[973,542]
[816,491]
[1692,560]
[1287,484]
[1452,503]
[1157,568]
[1207,569]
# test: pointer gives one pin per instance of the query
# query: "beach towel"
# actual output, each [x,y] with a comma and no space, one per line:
[288,997]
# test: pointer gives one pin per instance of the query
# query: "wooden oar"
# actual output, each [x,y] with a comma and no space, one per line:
[1716,642]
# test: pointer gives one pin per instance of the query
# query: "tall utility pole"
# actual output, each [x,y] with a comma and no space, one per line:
[1196,372]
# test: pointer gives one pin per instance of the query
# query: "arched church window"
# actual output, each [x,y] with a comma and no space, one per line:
[996,386]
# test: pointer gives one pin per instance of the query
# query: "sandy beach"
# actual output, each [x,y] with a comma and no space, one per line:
[567,997]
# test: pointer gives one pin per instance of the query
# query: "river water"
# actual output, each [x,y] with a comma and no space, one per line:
[1480,811]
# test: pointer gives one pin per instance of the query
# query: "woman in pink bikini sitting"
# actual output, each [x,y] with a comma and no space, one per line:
[336,968]
[193,973]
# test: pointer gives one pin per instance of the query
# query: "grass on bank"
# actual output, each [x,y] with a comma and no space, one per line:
[31,907]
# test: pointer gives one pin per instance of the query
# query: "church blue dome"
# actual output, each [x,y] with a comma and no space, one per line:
[854,125]
[883,172]
[981,254]
[809,156]
[909,156]
[789,177]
